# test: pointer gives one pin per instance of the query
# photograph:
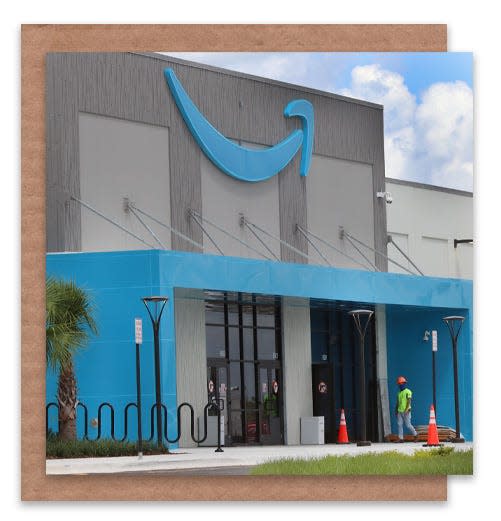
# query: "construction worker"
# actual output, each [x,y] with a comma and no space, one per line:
[403,409]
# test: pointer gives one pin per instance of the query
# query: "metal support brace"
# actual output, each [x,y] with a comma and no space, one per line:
[323,241]
[73,198]
[348,236]
[247,223]
[195,218]
[204,219]
[300,230]
[343,234]
[129,208]
[242,224]
[173,230]
[390,239]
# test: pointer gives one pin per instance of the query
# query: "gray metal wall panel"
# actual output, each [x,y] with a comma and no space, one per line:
[132,86]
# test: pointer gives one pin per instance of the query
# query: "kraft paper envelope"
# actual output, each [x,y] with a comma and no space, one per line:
[36,41]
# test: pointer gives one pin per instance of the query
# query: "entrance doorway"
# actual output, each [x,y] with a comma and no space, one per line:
[335,370]
[323,398]
[244,367]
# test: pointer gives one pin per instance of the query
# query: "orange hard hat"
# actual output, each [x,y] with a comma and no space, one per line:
[401,380]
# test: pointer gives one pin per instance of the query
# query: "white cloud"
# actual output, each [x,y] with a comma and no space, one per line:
[430,140]
[372,83]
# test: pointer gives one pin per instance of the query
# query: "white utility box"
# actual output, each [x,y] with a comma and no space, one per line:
[312,430]
[211,440]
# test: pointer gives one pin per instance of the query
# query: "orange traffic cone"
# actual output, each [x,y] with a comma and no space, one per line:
[433,440]
[342,436]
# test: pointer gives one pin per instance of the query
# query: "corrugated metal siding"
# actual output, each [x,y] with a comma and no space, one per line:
[132,86]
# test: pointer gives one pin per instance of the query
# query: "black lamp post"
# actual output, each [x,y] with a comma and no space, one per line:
[362,317]
[155,307]
[454,324]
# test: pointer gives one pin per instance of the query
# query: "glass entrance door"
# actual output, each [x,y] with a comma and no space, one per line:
[217,390]
[323,398]
[243,336]
[270,404]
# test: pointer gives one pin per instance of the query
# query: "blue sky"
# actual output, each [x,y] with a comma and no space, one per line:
[428,100]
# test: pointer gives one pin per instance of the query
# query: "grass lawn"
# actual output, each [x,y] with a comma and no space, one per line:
[444,460]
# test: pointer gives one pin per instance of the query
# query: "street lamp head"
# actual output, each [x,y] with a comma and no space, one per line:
[454,323]
[361,312]
[361,317]
[453,317]
[155,299]
[155,307]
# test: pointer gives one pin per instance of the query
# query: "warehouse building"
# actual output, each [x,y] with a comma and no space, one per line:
[260,210]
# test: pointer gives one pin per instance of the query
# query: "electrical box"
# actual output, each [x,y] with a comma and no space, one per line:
[312,430]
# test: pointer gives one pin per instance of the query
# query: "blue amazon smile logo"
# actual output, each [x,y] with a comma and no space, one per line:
[240,162]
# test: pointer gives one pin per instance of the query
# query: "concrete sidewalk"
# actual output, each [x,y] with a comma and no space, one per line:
[233,457]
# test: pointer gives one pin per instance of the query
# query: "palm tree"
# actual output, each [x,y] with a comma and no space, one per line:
[69,321]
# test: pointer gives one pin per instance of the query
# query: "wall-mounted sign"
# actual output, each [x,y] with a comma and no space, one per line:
[434,340]
[322,388]
[240,162]
[138,323]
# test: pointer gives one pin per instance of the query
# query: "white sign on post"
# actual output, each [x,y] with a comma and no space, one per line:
[139,331]
[434,340]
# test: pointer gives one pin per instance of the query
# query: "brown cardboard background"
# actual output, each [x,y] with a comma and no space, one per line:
[36,40]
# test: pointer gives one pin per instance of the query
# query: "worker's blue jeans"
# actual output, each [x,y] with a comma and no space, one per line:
[405,417]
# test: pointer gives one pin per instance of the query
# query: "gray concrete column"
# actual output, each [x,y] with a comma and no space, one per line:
[296,339]
[191,357]
[382,371]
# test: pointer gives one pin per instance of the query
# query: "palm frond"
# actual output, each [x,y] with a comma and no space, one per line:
[69,320]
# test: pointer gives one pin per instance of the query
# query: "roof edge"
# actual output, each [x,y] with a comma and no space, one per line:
[237,74]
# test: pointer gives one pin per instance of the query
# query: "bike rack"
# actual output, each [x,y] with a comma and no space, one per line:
[210,405]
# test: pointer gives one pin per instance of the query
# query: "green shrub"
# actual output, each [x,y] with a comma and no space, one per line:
[57,448]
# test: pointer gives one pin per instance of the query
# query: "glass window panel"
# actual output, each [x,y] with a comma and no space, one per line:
[235,385]
[251,426]
[250,386]
[265,316]
[319,347]
[214,313]
[214,338]
[266,344]
[234,343]
[236,426]
[265,299]
[232,314]
[245,298]
[248,335]
[247,316]
[230,296]
[319,320]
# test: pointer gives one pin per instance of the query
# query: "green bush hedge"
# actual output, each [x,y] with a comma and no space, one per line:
[56,448]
